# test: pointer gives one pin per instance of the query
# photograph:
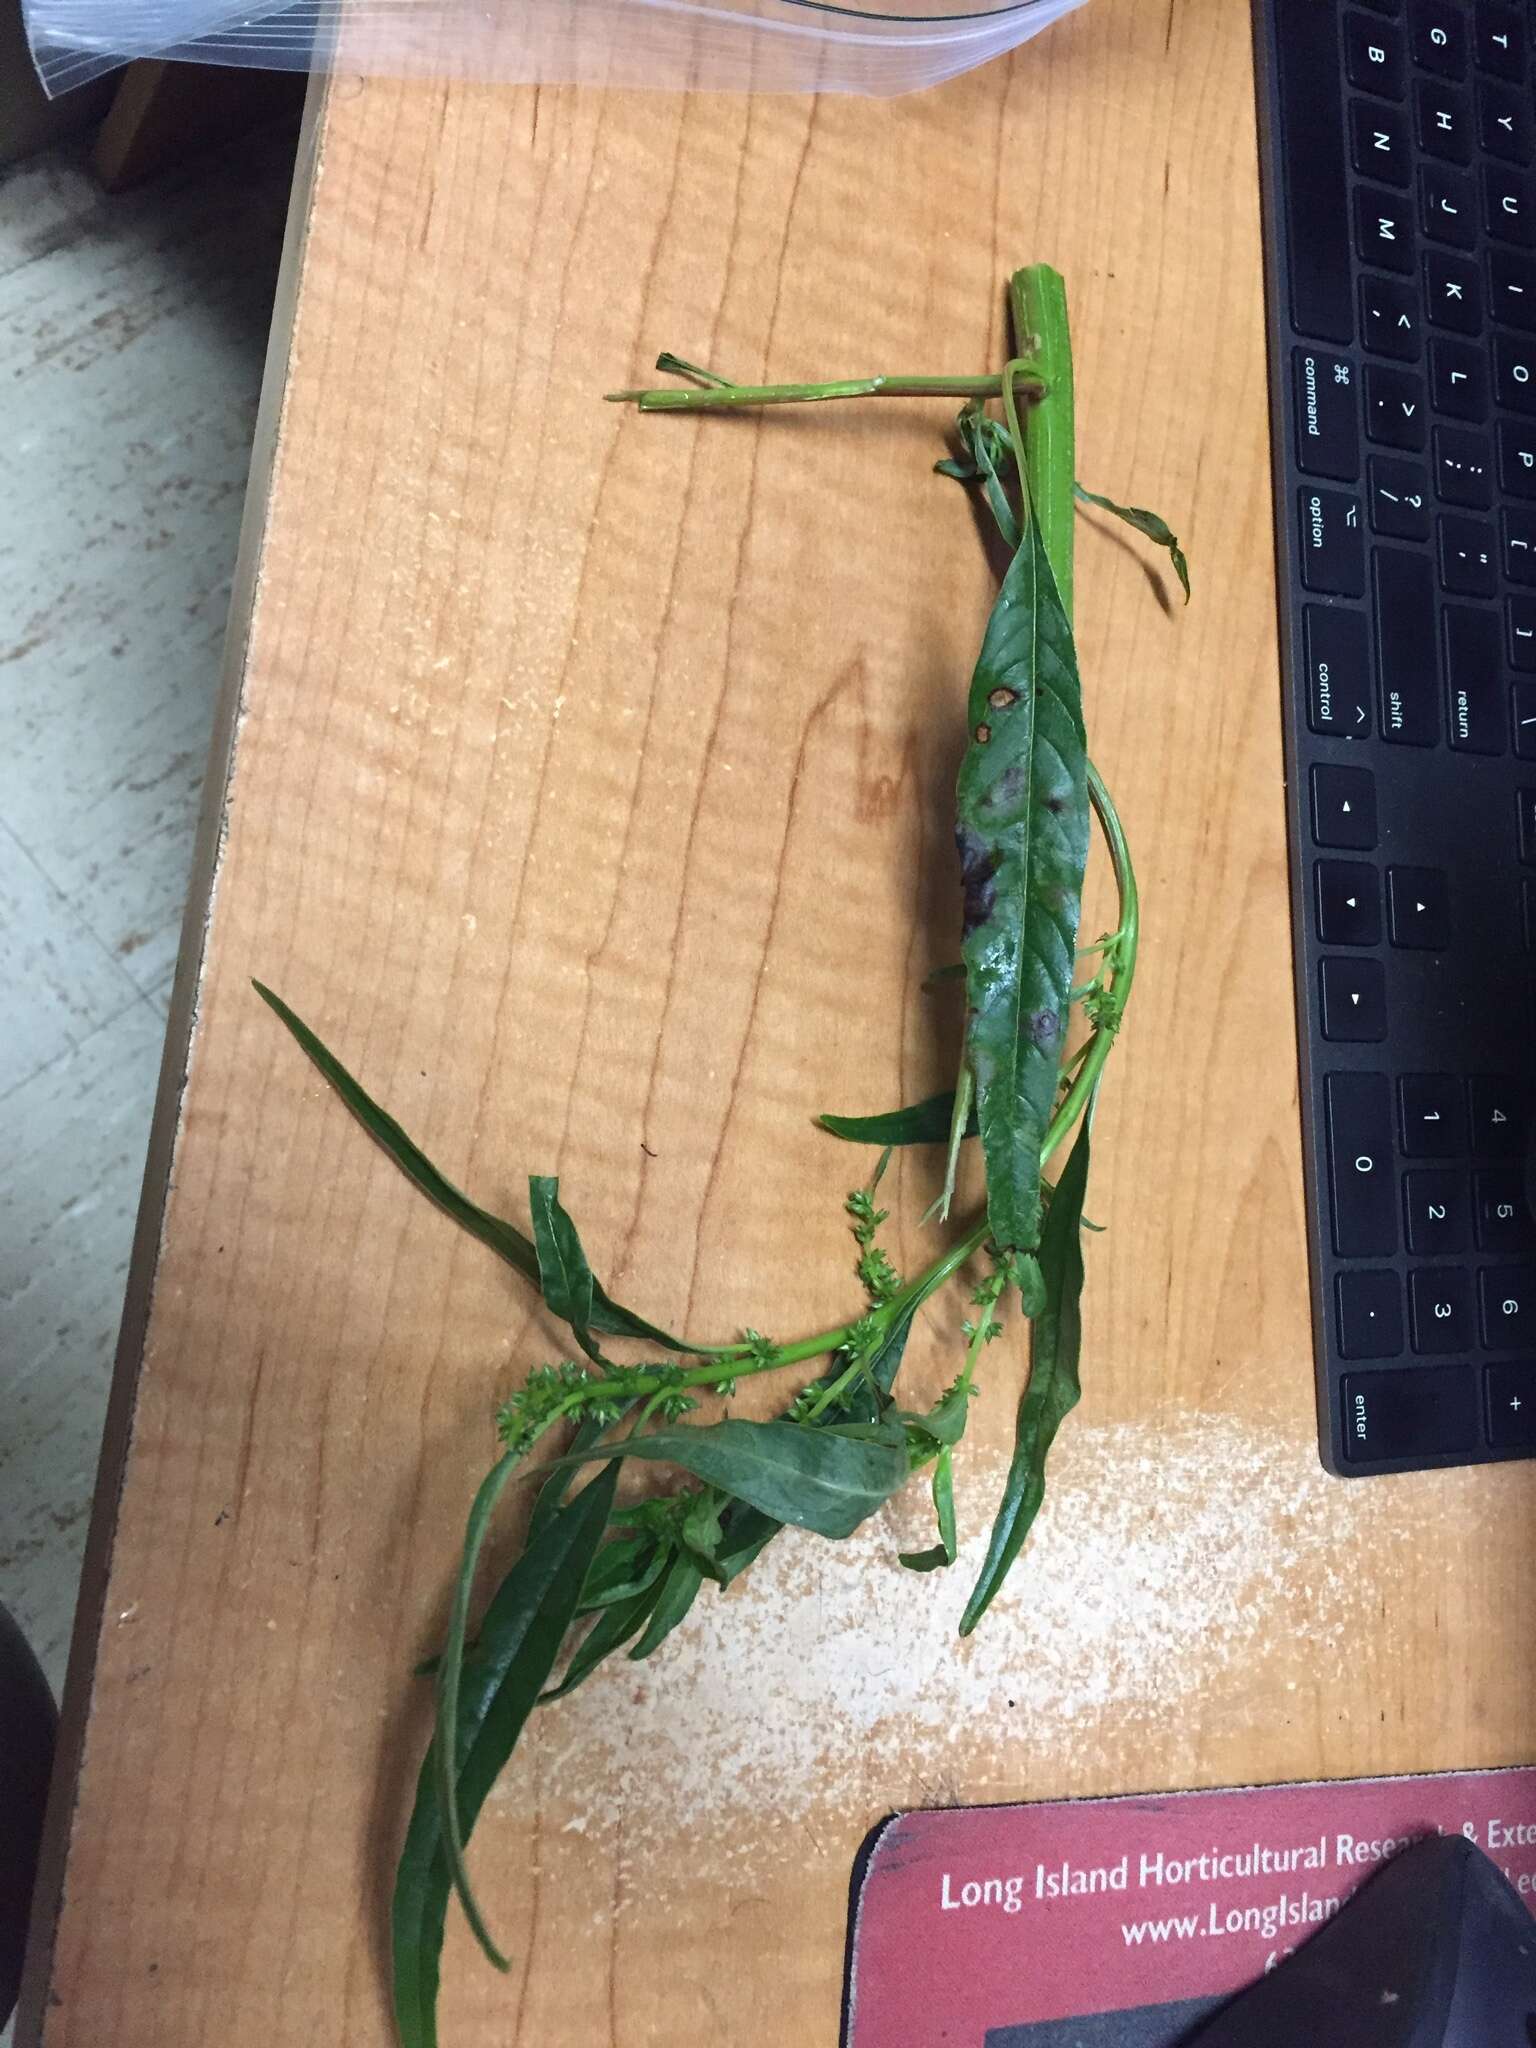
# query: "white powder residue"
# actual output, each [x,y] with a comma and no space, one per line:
[1167,1561]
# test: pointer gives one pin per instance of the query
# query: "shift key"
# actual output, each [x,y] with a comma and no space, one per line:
[1332,546]
[1406,682]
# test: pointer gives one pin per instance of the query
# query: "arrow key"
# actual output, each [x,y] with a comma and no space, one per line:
[1348,903]
[1418,908]
[1354,1001]
[1344,807]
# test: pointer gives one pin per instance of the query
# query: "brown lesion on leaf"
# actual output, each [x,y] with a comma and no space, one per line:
[1044,1028]
[983,734]
[1002,697]
[978,871]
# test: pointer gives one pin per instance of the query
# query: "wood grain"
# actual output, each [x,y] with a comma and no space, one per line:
[589,791]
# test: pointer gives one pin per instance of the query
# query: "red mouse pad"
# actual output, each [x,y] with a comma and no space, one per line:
[1119,1923]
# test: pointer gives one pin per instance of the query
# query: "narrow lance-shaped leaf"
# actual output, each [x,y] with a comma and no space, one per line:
[679,1589]
[1053,1387]
[1147,524]
[520,1637]
[817,1478]
[565,1278]
[945,1550]
[922,1123]
[613,1628]
[609,1318]
[1022,830]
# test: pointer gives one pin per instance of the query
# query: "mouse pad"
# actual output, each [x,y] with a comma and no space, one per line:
[1122,1923]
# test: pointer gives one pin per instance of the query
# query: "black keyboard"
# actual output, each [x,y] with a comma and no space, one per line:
[1399,159]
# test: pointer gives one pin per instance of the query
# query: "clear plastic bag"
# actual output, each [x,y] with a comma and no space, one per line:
[703,45]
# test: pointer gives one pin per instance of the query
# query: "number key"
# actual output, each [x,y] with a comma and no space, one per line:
[1433,1116]
[1435,1210]
[1360,1177]
[1498,1118]
[1508,1300]
[1440,1308]
[1503,1215]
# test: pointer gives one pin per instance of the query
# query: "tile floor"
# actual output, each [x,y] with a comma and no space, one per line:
[132,332]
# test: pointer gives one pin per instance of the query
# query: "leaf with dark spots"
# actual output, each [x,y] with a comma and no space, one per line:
[1023,825]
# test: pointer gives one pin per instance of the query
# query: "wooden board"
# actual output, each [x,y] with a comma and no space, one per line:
[589,788]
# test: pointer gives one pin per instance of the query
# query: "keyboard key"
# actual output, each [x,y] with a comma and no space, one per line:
[1389,317]
[1512,287]
[1395,407]
[1509,205]
[1507,1298]
[1348,903]
[1433,1116]
[1384,228]
[1373,56]
[1463,468]
[1309,140]
[1408,683]
[1510,1389]
[1520,617]
[1453,292]
[1369,1315]
[1360,1165]
[1447,206]
[1498,1118]
[1525,825]
[1517,458]
[1344,807]
[1467,565]
[1523,720]
[1473,682]
[1332,545]
[1467,561]
[1399,495]
[1458,379]
[1423,1411]
[1520,546]
[1337,655]
[1435,1210]
[1445,127]
[1498,32]
[1440,1309]
[1327,417]
[1502,1212]
[1440,37]
[1378,142]
[1354,1001]
[1514,373]
[1504,125]
[1418,908]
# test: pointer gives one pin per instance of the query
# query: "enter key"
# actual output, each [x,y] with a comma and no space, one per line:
[1476,710]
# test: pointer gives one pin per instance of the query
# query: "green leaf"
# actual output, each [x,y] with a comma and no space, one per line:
[944,1423]
[923,1123]
[503,1238]
[565,1278]
[551,1494]
[520,1638]
[701,1532]
[1053,1387]
[816,1478]
[988,460]
[624,1567]
[1022,830]
[944,1507]
[679,1590]
[1146,523]
[612,1629]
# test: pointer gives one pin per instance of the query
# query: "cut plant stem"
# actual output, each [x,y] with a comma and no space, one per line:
[719,396]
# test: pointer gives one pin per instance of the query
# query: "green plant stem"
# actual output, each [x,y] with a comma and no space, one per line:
[721,396]
[1037,300]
